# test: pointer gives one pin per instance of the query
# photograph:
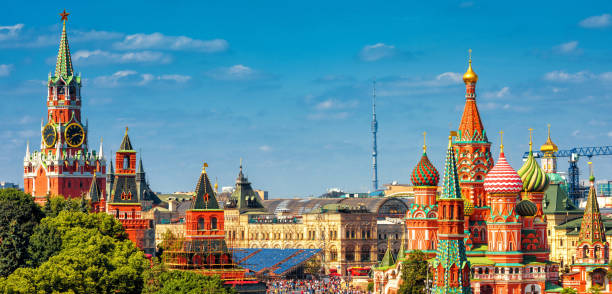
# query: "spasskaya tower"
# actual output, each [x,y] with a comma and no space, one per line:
[64,165]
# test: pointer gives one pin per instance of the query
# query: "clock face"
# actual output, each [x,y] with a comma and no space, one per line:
[49,135]
[75,135]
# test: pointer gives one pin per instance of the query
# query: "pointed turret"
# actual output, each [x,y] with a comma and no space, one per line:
[63,65]
[140,168]
[592,229]
[126,144]
[549,159]
[451,188]
[204,195]
[401,255]
[244,197]
[388,260]
[94,194]
[101,151]
[451,269]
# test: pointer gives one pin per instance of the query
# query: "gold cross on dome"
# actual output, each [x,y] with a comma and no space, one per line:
[64,15]
[424,142]
[470,53]
[530,137]
[204,166]
[501,147]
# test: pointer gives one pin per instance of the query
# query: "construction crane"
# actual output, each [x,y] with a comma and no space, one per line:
[573,183]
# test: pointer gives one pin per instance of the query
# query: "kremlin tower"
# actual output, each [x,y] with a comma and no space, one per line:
[422,216]
[451,269]
[590,267]
[473,158]
[64,165]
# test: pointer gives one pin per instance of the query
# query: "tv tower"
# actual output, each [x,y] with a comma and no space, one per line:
[374,149]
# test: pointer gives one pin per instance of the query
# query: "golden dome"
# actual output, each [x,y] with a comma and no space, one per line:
[470,77]
[549,146]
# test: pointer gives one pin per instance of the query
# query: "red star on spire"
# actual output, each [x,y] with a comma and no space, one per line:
[64,15]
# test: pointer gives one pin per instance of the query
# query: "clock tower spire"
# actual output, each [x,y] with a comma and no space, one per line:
[64,165]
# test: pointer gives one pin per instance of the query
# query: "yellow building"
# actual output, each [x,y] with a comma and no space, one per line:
[346,229]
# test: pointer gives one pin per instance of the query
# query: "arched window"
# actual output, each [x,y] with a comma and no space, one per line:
[213,223]
[200,224]
[126,163]
[585,251]
[596,251]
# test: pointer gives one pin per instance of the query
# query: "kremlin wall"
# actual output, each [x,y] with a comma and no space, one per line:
[485,226]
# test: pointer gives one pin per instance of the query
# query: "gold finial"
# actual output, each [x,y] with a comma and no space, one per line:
[501,146]
[470,77]
[126,130]
[548,130]
[216,185]
[530,139]
[424,142]
[64,15]
[450,138]
[204,166]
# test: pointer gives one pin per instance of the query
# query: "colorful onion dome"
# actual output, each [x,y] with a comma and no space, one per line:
[470,77]
[424,173]
[468,207]
[502,178]
[532,175]
[526,208]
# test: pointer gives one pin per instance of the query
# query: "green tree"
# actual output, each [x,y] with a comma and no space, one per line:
[160,280]
[19,215]
[57,204]
[50,236]
[414,273]
[313,266]
[569,291]
[595,289]
[95,257]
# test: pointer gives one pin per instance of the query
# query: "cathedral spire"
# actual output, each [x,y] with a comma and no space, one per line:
[63,66]
[451,188]
[471,127]
[592,229]
[101,152]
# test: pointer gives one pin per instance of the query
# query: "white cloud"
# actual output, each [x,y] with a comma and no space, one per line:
[568,48]
[237,72]
[334,104]
[562,76]
[5,69]
[450,76]
[503,92]
[265,148]
[609,134]
[177,43]
[597,21]
[105,57]
[9,32]
[576,133]
[377,51]
[131,77]
[175,77]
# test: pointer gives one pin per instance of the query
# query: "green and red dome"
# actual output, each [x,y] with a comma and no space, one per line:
[532,175]
[424,173]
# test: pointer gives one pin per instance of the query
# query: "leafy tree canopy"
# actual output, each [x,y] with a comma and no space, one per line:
[19,215]
[161,281]
[414,273]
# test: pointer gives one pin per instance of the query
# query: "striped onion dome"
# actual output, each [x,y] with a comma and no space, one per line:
[502,178]
[424,173]
[526,208]
[532,175]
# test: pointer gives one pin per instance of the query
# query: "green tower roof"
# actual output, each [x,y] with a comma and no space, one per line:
[63,66]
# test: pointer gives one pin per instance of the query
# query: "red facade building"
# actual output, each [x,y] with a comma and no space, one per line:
[64,165]
[127,195]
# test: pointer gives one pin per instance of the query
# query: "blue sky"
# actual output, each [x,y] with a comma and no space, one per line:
[287,85]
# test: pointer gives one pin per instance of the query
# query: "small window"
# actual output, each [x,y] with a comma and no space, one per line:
[213,223]
[200,224]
